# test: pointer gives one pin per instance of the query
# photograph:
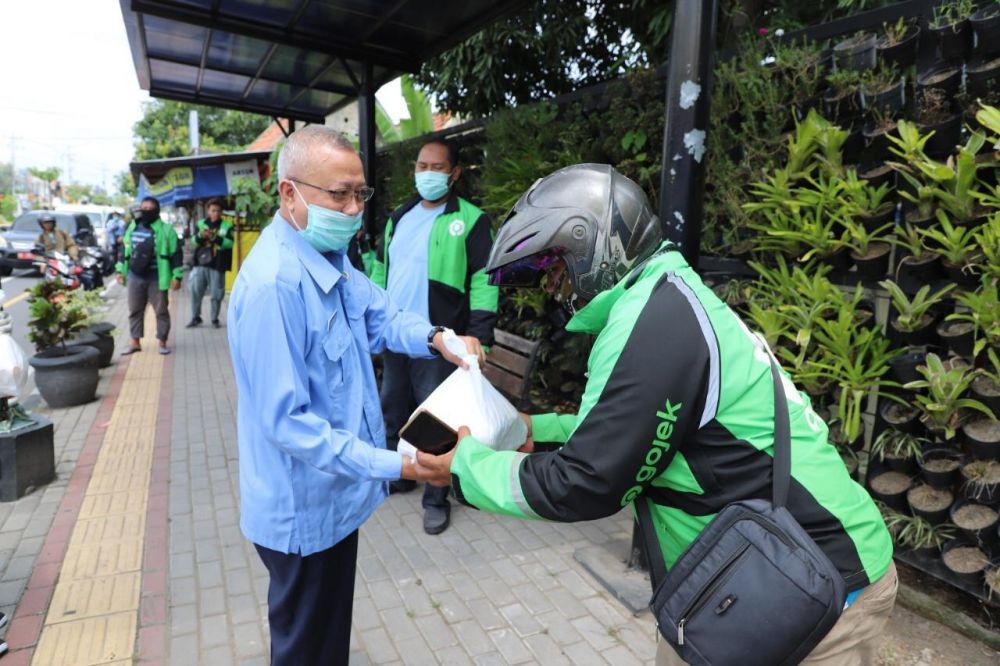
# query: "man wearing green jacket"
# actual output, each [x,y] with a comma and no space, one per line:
[152,263]
[672,368]
[431,261]
[213,256]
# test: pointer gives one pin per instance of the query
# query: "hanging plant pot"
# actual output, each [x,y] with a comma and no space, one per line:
[986,391]
[877,142]
[68,376]
[890,488]
[924,334]
[904,370]
[914,272]
[947,78]
[982,481]
[985,25]
[976,522]
[887,99]
[930,503]
[953,41]
[856,53]
[982,438]
[947,135]
[939,468]
[958,336]
[903,54]
[964,560]
[982,77]
[876,176]
[874,265]
[966,277]
[838,261]
[854,145]
[841,107]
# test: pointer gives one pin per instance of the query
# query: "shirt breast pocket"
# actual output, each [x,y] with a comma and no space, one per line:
[335,346]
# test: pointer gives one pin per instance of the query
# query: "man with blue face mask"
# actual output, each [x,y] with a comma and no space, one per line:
[303,324]
[431,261]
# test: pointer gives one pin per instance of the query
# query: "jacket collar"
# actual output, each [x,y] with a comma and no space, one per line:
[322,270]
[451,206]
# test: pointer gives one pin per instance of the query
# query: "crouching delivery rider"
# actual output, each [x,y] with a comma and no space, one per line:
[672,367]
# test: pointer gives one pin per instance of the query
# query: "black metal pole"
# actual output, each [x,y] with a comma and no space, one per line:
[366,136]
[689,83]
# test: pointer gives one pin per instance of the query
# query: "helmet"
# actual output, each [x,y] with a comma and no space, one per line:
[46,217]
[597,220]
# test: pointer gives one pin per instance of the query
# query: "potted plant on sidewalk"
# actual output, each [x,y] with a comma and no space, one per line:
[66,375]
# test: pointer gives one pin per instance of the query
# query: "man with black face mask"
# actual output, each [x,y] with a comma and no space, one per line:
[152,263]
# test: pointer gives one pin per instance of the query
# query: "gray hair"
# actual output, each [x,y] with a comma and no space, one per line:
[297,148]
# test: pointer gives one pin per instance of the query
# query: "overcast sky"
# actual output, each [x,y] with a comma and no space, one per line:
[68,91]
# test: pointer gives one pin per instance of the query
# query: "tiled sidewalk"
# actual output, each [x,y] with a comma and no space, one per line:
[154,465]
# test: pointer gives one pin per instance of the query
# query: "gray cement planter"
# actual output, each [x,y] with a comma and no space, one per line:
[67,377]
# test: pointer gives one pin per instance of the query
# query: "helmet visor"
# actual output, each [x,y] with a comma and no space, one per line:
[526,271]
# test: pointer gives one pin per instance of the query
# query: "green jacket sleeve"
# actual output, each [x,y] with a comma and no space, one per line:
[483,297]
[554,428]
[126,253]
[225,237]
[378,273]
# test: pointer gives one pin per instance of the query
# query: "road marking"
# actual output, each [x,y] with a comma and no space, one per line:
[16,299]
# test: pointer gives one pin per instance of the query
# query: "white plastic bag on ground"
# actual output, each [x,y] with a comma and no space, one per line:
[466,398]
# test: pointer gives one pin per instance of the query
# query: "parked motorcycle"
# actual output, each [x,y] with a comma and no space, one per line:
[54,266]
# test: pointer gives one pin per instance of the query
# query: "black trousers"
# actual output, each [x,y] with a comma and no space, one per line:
[406,382]
[309,604]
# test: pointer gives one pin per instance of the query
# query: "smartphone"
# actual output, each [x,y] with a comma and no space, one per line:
[429,434]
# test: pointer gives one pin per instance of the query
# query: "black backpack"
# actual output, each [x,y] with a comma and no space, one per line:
[143,255]
[753,587]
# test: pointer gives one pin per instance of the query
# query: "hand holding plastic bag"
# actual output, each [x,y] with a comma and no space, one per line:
[14,368]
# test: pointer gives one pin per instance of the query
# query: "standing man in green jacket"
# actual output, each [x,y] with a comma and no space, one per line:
[152,263]
[678,410]
[213,256]
[431,260]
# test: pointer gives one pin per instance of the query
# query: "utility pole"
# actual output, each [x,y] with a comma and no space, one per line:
[13,167]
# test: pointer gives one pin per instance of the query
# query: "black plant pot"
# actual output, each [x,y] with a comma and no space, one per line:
[941,478]
[980,491]
[982,533]
[838,262]
[935,516]
[876,143]
[876,176]
[966,277]
[896,499]
[105,345]
[67,377]
[953,41]
[947,135]
[958,336]
[854,146]
[982,438]
[969,578]
[875,265]
[857,53]
[926,334]
[988,394]
[886,101]
[912,274]
[901,55]
[843,108]
[947,78]
[904,367]
[907,466]
[985,25]
[982,77]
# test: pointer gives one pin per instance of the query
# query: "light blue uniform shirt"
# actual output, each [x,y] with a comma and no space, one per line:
[302,328]
[408,251]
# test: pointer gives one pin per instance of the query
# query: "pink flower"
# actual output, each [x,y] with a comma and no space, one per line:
[762,32]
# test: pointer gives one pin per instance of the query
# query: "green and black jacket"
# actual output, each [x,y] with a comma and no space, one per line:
[673,366]
[459,294]
[221,242]
[169,257]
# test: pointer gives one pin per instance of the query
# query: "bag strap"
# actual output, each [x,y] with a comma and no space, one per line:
[782,472]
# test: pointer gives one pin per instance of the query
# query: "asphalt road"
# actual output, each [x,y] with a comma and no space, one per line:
[15,301]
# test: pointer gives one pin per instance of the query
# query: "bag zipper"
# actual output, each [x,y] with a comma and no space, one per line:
[699,602]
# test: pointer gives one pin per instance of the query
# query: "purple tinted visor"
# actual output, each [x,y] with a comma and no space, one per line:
[526,271]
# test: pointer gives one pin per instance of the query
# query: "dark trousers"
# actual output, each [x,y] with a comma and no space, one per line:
[142,291]
[309,604]
[406,382]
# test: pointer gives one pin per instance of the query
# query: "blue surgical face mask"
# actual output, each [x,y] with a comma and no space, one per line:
[432,185]
[328,230]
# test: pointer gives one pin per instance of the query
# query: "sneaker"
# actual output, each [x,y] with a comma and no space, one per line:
[436,520]
[194,322]
[3,648]
[216,324]
[131,350]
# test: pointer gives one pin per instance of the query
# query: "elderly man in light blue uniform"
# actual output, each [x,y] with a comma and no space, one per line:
[313,462]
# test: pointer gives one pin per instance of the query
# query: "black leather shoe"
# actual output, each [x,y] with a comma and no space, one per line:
[194,322]
[215,323]
[401,486]
[436,520]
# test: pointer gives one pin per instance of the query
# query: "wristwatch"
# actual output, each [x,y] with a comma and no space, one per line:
[430,339]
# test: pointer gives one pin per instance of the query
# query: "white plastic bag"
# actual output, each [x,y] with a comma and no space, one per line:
[14,368]
[466,398]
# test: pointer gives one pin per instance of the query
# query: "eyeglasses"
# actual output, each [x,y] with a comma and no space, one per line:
[362,194]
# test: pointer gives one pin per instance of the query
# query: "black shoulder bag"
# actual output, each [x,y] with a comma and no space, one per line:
[753,588]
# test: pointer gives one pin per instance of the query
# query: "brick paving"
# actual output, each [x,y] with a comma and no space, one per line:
[490,590]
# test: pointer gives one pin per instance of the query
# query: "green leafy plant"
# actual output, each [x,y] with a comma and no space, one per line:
[954,183]
[983,307]
[897,444]
[910,143]
[896,32]
[863,198]
[941,399]
[58,313]
[956,244]
[912,312]
[988,241]
[911,240]
[949,13]
[862,241]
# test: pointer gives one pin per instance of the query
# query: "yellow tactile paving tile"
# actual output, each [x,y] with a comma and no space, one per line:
[91,597]
[117,482]
[97,640]
[134,460]
[106,529]
[105,559]
[110,504]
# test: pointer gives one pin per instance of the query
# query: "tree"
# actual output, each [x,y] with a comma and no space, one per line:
[420,122]
[163,129]
[124,184]
[48,175]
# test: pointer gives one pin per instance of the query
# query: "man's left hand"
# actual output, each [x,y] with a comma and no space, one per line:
[471,344]
[175,284]
[436,470]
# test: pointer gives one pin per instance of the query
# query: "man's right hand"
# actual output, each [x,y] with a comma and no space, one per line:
[529,442]
[120,278]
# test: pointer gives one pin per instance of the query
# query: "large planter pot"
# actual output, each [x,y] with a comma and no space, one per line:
[930,503]
[902,54]
[982,438]
[982,77]
[953,41]
[985,25]
[940,468]
[105,343]
[857,53]
[67,376]
[976,522]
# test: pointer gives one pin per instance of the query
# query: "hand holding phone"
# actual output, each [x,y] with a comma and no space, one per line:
[429,434]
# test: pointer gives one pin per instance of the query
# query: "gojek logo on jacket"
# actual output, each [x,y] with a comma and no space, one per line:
[664,431]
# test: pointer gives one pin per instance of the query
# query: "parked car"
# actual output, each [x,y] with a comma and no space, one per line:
[99,216]
[24,232]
